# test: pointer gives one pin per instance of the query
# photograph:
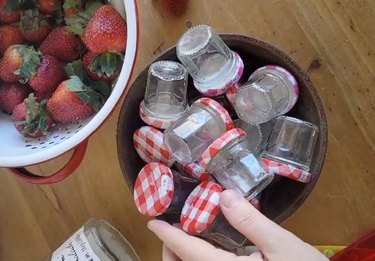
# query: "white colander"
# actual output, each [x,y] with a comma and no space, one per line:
[17,152]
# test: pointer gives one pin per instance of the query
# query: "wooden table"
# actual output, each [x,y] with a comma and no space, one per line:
[332,39]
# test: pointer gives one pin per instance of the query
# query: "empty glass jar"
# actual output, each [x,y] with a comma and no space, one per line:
[290,148]
[270,91]
[97,240]
[234,166]
[208,59]
[165,98]
[191,134]
[159,190]
[201,216]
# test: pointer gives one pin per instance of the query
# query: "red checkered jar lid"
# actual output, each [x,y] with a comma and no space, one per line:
[218,108]
[286,170]
[154,189]
[201,208]
[219,144]
[149,144]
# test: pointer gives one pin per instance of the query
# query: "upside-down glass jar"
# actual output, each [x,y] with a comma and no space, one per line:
[97,240]
[290,148]
[165,98]
[210,62]
[159,190]
[191,134]
[201,216]
[234,166]
[270,91]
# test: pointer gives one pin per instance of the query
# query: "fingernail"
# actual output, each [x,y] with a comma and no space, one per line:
[230,198]
[156,225]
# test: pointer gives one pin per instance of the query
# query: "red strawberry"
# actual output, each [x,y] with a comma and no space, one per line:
[8,16]
[106,31]
[102,67]
[12,94]
[31,118]
[9,35]
[34,27]
[42,95]
[48,76]
[19,62]
[66,104]
[61,44]
[48,6]
[175,7]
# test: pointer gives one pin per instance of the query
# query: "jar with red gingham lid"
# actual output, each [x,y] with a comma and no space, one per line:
[234,166]
[191,134]
[159,190]
[201,216]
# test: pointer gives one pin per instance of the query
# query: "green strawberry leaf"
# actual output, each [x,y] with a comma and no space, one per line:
[102,87]
[11,6]
[75,84]
[91,7]
[107,63]
[31,61]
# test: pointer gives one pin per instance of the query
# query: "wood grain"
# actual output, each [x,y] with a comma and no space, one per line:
[333,40]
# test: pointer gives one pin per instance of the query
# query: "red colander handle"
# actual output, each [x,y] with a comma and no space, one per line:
[64,172]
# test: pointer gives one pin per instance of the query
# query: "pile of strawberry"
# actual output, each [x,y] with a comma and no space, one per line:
[58,60]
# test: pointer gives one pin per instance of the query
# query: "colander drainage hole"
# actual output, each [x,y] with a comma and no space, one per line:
[76,131]
[44,147]
[55,137]
[28,145]
[69,132]
[79,126]
[52,142]
[42,142]
[62,138]
[33,148]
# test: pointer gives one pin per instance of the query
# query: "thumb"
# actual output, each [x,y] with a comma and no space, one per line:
[264,233]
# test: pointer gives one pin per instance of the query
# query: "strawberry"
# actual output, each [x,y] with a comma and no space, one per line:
[9,35]
[175,7]
[105,67]
[34,27]
[48,76]
[48,6]
[31,118]
[12,94]
[73,100]
[7,14]
[19,62]
[61,44]
[106,31]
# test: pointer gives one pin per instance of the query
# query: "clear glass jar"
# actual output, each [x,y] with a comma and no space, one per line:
[234,166]
[159,190]
[191,134]
[208,59]
[97,240]
[201,216]
[165,97]
[270,91]
[292,141]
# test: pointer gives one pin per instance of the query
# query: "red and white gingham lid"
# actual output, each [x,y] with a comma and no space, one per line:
[286,170]
[201,207]
[149,144]
[154,189]
[218,108]
[197,171]
[160,123]
[218,144]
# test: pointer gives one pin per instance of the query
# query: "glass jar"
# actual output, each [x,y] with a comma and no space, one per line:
[191,134]
[201,216]
[159,190]
[290,148]
[97,240]
[208,59]
[254,135]
[233,165]
[165,97]
[270,91]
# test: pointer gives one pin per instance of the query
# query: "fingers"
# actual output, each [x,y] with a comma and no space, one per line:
[265,234]
[168,255]
[185,246]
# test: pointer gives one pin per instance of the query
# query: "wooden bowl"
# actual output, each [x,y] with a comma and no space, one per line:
[283,196]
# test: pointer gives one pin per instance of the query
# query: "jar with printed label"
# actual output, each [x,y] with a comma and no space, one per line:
[97,240]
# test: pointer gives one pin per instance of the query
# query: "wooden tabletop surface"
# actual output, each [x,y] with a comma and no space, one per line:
[333,40]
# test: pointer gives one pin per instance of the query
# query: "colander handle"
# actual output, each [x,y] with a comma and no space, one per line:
[64,172]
